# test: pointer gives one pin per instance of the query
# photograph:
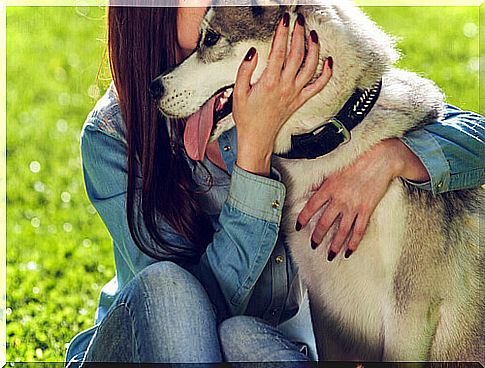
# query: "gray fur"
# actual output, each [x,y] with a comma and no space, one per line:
[233,17]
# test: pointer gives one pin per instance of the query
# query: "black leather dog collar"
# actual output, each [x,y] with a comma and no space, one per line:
[335,131]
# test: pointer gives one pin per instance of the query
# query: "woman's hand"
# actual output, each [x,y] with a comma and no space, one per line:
[353,193]
[261,109]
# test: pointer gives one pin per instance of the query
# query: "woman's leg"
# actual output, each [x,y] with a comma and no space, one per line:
[162,315]
[300,328]
[251,339]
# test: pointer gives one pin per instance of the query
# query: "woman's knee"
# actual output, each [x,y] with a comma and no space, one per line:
[162,306]
[251,339]
[162,278]
[235,327]
[163,282]
[237,335]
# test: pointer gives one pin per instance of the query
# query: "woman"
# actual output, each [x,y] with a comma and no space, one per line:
[192,258]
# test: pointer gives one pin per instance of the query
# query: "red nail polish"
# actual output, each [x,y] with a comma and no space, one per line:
[301,20]
[331,255]
[298,226]
[330,62]
[286,19]
[314,36]
[348,253]
[250,54]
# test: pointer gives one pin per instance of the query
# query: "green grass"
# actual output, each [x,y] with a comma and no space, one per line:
[58,251]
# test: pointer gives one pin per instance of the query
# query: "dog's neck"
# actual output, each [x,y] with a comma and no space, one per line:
[336,131]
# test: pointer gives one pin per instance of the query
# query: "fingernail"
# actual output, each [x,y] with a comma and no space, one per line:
[298,226]
[286,19]
[330,62]
[301,20]
[314,36]
[250,54]
[331,255]
[348,253]
[314,244]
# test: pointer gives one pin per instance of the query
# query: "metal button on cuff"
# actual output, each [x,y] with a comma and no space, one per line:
[440,185]
[275,204]
[227,148]
[279,259]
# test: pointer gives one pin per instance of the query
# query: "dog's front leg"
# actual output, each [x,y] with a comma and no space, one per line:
[336,342]
[409,332]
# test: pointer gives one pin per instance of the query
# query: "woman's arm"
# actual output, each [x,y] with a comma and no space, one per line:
[442,156]
[251,215]
[452,150]
[240,249]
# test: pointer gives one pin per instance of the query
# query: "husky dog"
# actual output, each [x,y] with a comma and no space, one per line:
[412,291]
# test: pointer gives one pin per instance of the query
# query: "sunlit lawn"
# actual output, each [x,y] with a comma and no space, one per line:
[58,252]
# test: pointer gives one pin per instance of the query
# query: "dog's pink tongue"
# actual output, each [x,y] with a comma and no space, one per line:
[197,131]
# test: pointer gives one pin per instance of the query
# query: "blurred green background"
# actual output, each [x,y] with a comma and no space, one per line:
[59,253]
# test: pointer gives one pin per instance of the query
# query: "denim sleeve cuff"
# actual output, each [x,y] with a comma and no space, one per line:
[274,174]
[256,195]
[424,185]
[429,151]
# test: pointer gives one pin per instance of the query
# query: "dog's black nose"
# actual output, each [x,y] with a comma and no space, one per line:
[156,89]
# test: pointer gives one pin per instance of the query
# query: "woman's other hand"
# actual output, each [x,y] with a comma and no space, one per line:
[261,109]
[353,194]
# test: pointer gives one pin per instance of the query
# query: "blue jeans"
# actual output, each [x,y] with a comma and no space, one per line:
[164,315]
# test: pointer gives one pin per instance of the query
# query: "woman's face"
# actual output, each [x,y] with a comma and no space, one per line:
[188,22]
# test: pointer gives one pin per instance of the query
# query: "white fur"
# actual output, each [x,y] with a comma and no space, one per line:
[392,300]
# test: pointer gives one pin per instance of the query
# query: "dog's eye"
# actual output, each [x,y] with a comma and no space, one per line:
[211,38]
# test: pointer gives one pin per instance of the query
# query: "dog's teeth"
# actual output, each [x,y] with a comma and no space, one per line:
[228,92]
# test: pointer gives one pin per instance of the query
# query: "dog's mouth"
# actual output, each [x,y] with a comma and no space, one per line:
[203,126]
[222,105]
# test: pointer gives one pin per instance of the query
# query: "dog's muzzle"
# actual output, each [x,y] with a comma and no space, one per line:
[156,89]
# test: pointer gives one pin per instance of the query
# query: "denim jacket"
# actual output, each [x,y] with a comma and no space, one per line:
[246,269]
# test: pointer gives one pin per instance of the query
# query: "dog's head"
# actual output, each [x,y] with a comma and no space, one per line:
[361,53]
[226,35]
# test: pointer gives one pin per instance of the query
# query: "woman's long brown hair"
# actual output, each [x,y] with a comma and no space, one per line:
[141,44]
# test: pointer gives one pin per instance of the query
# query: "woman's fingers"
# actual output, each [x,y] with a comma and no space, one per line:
[314,88]
[288,71]
[357,234]
[314,204]
[311,61]
[297,50]
[342,233]
[324,224]
[277,55]
[245,73]
[355,204]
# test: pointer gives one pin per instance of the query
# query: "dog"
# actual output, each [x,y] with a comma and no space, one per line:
[412,292]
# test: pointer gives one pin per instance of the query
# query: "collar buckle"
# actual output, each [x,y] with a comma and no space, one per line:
[341,129]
